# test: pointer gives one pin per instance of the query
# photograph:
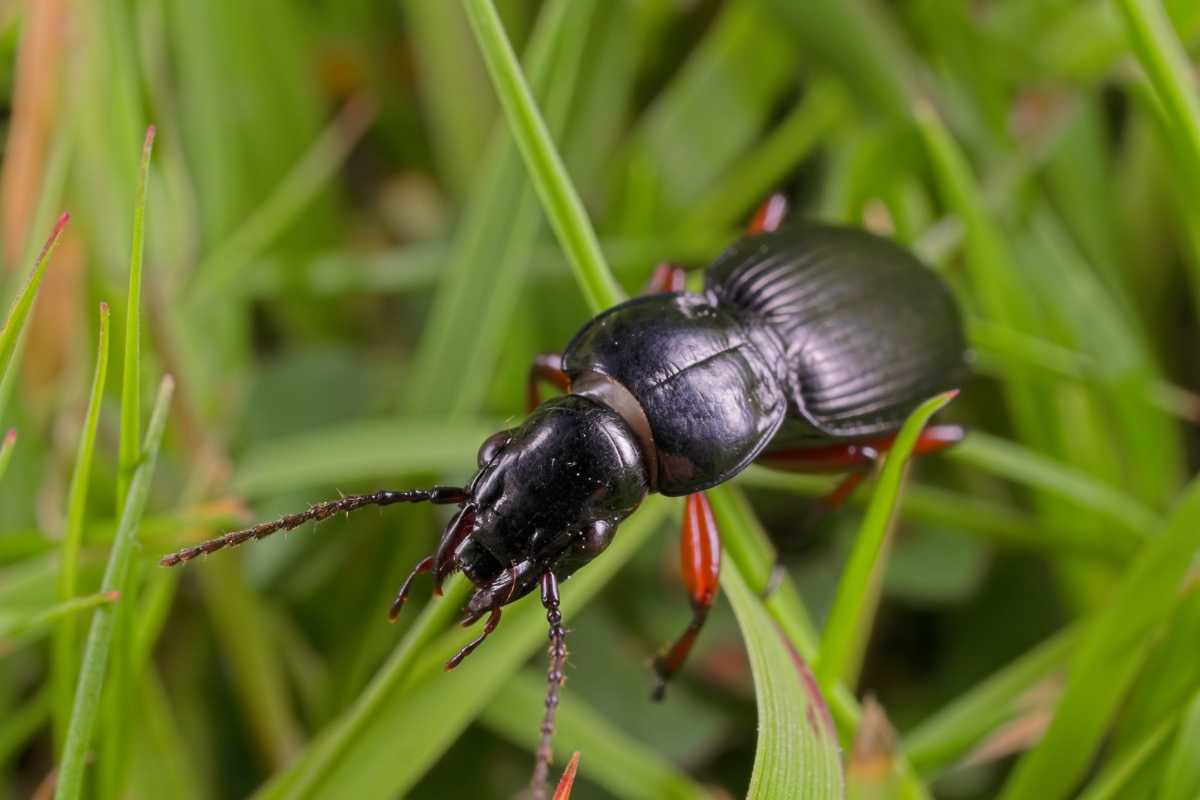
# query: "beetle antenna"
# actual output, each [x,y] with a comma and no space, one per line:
[319,511]
[554,682]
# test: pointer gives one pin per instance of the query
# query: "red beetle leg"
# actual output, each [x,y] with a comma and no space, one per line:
[700,556]
[770,215]
[666,278]
[546,367]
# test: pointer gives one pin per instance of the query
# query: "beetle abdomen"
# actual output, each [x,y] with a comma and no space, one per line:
[869,332]
[713,399]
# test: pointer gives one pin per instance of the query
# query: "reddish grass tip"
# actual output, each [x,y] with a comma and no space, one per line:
[10,437]
[103,308]
[112,597]
[563,791]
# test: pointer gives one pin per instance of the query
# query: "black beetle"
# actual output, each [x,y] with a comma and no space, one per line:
[808,348]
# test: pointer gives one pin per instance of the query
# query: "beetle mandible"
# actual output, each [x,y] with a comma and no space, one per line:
[807,349]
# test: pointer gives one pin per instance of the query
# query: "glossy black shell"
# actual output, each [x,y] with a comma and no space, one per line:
[805,335]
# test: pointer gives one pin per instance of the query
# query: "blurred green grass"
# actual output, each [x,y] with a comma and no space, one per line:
[347,272]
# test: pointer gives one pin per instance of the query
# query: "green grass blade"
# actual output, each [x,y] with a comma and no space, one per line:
[846,631]
[624,767]
[1112,782]
[1021,465]
[766,167]
[18,315]
[1166,62]
[546,169]
[403,723]
[220,269]
[17,728]
[13,627]
[961,513]
[1181,780]
[359,451]
[948,735]
[131,375]
[454,90]
[1109,655]
[7,445]
[708,118]
[66,645]
[797,751]
[480,286]
[100,636]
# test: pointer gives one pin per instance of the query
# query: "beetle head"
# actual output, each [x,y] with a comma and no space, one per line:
[548,497]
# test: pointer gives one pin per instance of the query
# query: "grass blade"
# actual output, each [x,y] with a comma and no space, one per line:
[100,636]
[131,376]
[479,288]
[1113,780]
[546,169]
[1166,62]
[623,767]
[15,627]
[360,451]
[1109,657]
[66,646]
[19,313]
[949,734]
[1021,465]
[847,629]
[1182,777]
[797,750]
[221,268]
[6,449]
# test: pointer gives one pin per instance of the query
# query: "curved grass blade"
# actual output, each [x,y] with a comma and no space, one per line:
[360,450]
[479,287]
[546,169]
[296,190]
[19,313]
[100,636]
[797,750]
[15,627]
[622,766]
[1022,465]
[1181,780]
[66,646]
[848,627]
[949,734]
[1109,657]
[1166,62]
[131,400]
[1112,781]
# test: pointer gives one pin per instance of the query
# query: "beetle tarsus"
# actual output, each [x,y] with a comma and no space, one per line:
[469,647]
[423,566]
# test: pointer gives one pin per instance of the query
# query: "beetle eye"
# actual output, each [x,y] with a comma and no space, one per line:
[493,445]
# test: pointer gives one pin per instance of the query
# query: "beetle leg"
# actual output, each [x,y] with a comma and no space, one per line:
[666,278]
[546,367]
[492,621]
[769,215]
[700,553]
[554,682]
[423,566]
[458,529]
